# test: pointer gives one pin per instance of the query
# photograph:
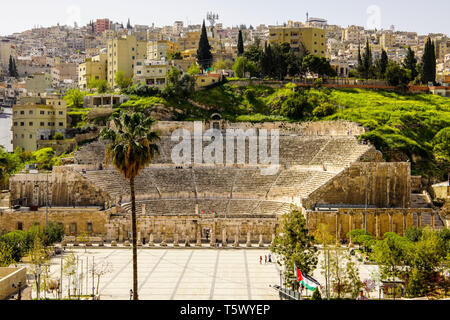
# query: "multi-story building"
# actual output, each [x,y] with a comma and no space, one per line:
[7,49]
[387,40]
[94,68]
[33,122]
[313,39]
[122,54]
[101,25]
[157,50]
[152,73]
[38,83]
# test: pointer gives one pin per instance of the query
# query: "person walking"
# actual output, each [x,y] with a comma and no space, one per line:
[131,294]
[270,258]
[260,259]
[265,259]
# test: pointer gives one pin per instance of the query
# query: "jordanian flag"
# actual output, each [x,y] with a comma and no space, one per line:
[308,282]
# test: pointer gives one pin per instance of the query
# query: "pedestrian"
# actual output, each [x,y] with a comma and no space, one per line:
[265,259]
[260,259]
[131,294]
[270,258]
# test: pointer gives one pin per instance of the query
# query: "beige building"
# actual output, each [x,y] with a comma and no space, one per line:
[122,55]
[32,122]
[387,40]
[159,49]
[314,39]
[94,68]
[38,83]
[152,73]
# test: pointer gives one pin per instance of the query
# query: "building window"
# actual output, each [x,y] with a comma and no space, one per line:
[22,112]
[61,113]
[15,123]
[42,112]
[73,228]
[22,124]
[89,227]
[31,136]
[61,124]
[31,124]
[19,225]
[30,112]
[22,136]
[42,124]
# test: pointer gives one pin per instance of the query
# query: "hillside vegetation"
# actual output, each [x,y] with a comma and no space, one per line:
[405,127]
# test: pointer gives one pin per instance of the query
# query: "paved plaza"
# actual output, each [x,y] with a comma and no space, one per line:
[181,274]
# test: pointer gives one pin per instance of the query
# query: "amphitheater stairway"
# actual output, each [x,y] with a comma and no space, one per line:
[422,201]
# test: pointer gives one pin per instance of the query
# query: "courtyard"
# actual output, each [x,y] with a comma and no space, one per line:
[177,274]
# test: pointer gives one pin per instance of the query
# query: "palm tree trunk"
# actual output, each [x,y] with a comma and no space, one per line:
[134,232]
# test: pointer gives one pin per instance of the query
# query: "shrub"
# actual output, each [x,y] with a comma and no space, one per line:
[316,295]
[325,109]
[58,136]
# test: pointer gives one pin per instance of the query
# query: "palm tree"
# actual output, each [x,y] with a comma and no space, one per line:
[132,146]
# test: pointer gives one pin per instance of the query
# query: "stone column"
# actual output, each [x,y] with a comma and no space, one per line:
[150,240]
[187,240]
[377,225]
[139,241]
[198,235]
[273,239]
[175,239]
[390,222]
[419,220]
[224,237]
[337,229]
[212,242]
[261,241]
[350,228]
[236,238]
[249,240]
[163,238]
[404,223]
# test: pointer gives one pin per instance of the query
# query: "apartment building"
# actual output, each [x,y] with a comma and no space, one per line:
[32,122]
[152,73]
[101,25]
[159,49]
[94,68]
[314,39]
[122,54]
[38,83]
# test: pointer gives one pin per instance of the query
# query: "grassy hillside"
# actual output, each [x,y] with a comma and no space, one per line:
[405,127]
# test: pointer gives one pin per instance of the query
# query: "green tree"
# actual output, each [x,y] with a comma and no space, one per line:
[6,254]
[242,66]
[174,56]
[344,274]
[410,63]
[396,75]
[240,44]
[132,145]
[74,98]
[122,81]
[318,65]
[53,233]
[429,62]
[223,64]
[294,245]
[101,86]
[381,65]
[413,234]
[391,255]
[204,55]
[12,69]
[316,295]
[441,143]
[194,69]
[58,136]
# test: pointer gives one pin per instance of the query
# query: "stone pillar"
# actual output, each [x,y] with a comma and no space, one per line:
[224,237]
[175,239]
[212,234]
[163,239]
[350,228]
[377,225]
[404,223]
[249,240]
[198,235]
[150,240]
[337,229]
[273,239]
[419,220]
[187,239]
[261,242]
[391,229]
[236,238]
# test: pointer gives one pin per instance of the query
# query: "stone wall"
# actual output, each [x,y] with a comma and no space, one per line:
[63,187]
[385,184]
[10,276]
[9,220]
[379,221]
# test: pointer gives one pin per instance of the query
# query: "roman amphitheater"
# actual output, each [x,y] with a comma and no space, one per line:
[325,172]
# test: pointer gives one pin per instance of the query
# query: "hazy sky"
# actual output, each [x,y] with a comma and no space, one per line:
[409,15]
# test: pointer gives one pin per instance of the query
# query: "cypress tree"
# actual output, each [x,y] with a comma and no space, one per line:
[12,68]
[367,61]
[204,56]
[382,64]
[429,63]
[410,63]
[360,67]
[240,44]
